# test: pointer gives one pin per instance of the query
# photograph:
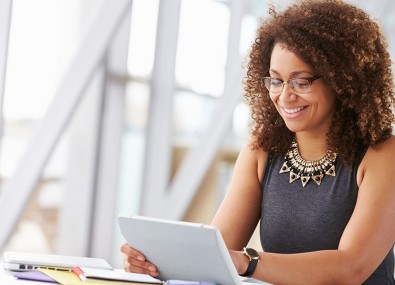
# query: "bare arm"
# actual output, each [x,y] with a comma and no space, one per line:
[239,213]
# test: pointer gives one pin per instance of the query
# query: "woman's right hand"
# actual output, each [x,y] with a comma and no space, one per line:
[135,262]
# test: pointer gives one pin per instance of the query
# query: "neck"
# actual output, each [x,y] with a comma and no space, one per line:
[311,147]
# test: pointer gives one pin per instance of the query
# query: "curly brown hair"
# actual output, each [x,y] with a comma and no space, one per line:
[346,48]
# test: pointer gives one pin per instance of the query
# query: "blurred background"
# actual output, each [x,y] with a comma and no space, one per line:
[115,107]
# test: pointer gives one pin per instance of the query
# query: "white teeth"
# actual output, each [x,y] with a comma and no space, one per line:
[292,111]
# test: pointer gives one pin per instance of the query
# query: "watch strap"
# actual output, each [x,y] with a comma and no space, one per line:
[251,266]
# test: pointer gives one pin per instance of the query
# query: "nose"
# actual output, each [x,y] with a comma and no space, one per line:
[288,93]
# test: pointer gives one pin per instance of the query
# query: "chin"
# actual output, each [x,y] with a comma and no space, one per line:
[295,128]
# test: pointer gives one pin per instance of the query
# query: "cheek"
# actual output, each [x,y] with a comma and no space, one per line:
[328,95]
[274,98]
[329,101]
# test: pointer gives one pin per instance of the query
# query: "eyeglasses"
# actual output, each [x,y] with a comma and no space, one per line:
[299,85]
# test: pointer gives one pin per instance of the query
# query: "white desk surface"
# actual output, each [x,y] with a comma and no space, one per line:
[7,278]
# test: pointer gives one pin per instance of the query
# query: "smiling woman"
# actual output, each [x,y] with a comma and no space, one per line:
[321,91]
[317,171]
[357,69]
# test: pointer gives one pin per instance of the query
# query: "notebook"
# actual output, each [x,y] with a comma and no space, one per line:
[181,250]
[25,261]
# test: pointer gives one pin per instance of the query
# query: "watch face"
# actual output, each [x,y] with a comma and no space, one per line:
[252,253]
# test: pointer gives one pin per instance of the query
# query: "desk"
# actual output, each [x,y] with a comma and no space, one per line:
[6,278]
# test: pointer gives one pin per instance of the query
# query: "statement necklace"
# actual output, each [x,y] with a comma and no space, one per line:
[306,170]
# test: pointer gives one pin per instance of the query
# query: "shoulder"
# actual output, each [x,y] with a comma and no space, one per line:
[256,153]
[384,151]
[254,158]
[379,160]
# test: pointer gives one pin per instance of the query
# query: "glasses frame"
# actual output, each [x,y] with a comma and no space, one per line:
[309,79]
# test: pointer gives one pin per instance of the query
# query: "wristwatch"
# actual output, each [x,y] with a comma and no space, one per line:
[253,255]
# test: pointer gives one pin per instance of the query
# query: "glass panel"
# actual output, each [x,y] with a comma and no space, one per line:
[192,116]
[241,120]
[137,101]
[202,46]
[142,37]
[249,25]
[37,230]
[32,77]
[33,58]
[32,73]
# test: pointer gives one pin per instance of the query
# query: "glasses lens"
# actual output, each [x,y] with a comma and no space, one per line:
[300,85]
[274,85]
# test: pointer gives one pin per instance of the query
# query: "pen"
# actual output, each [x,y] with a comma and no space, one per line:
[80,274]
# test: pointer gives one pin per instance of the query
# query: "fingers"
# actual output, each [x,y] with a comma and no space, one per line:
[131,252]
[136,266]
[135,262]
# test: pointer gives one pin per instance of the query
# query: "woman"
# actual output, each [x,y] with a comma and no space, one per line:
[318,171]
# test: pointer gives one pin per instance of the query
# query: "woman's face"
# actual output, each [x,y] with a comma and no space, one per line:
[311,112]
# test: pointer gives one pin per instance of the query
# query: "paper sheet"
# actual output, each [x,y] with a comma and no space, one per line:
[35,276]
[69,278]
[117,275]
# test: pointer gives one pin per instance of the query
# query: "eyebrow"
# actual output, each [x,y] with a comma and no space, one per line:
[293,73]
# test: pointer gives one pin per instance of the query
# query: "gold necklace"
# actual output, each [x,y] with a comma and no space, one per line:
[306,170]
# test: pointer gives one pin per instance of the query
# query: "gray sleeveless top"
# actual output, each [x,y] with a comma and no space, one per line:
[301,219]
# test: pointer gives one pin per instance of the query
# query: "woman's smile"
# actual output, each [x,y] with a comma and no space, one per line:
[293,111]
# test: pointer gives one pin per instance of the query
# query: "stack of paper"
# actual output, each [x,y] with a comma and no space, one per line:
[95,275]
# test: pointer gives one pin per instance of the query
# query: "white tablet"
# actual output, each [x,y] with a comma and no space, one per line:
[24,261]
[181,250]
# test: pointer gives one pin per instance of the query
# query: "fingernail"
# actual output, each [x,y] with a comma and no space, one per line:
[151,268]
[140,258]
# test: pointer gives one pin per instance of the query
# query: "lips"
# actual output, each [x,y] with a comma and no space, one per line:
[293,110]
